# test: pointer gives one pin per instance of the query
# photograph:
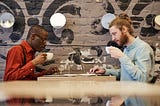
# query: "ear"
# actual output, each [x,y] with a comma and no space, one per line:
[33,37]
[124,29]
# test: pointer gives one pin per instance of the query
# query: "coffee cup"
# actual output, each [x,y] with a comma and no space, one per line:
[107,49]
[107,103]
[49,56]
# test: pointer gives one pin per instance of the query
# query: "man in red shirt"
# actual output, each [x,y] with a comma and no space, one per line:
[21,60]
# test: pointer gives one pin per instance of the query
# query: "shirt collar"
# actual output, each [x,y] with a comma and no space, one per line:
[133,44]
[27,47]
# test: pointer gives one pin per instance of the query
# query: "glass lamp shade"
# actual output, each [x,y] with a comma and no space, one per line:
[106,19]
[157,22]
[57,20]
[6,20]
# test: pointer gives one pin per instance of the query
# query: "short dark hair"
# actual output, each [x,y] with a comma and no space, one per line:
[36,29]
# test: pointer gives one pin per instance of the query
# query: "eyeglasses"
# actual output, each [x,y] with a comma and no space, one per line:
[41,38]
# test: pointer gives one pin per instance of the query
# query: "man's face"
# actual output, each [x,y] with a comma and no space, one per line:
[39,42]
[118,36]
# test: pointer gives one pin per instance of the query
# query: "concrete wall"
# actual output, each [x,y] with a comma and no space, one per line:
[84,23]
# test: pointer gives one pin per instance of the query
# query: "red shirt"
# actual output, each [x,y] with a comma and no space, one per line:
[16,70]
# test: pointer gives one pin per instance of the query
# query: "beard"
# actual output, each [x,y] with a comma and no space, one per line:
[123,39]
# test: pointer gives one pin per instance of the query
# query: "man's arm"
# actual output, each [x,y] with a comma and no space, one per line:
[14,65]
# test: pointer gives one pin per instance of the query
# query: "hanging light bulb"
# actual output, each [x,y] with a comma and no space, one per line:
[6,20]
[57,20]
[106,20]
[157,22]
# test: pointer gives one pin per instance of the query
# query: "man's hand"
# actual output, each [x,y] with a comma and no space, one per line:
[52,70]
[96,70]
[41,58]
[115,52]
[116,101]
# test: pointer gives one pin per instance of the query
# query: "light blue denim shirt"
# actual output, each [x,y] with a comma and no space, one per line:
[136,65]
[138,62]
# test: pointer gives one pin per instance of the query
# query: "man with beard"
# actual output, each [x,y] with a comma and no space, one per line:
[21,61]
[136,60]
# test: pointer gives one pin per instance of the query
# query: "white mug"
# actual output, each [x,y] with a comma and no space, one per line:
[49,56]
[107,49]
[107,103]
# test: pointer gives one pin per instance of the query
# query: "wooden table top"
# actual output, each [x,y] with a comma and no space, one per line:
[76,89]
[76,77]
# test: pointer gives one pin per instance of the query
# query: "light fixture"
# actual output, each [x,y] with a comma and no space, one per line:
[157,22]
[57,20]
[106,20]
[6,20]
[98,0]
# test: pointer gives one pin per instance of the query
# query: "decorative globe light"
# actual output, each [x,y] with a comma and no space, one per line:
[157,22]
[106,20]
[57,20]
[6,20]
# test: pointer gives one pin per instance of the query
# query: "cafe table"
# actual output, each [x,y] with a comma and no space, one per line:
[80,86]
[76,77]
[70,81]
